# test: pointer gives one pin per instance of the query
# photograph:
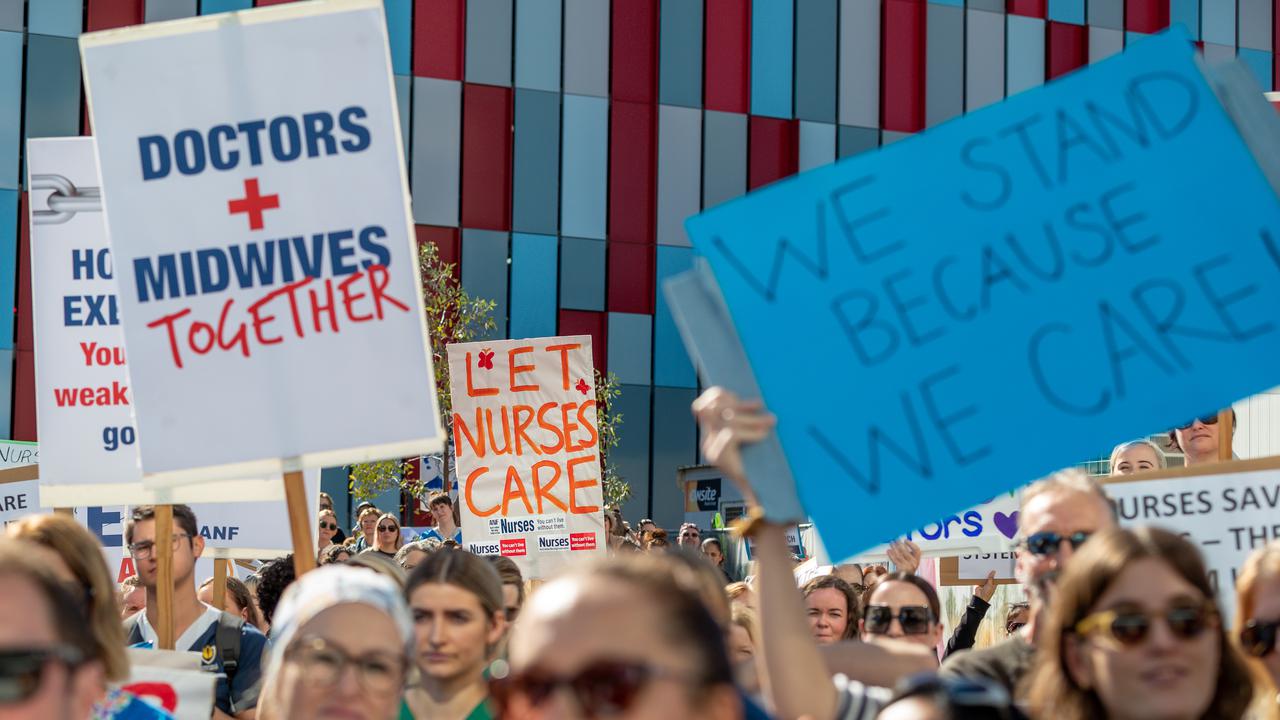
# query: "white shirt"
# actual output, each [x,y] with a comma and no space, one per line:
[189,637]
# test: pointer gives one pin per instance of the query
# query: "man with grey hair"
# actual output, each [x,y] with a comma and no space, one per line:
[1057,515]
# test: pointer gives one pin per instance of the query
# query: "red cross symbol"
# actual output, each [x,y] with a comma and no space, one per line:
[253,203]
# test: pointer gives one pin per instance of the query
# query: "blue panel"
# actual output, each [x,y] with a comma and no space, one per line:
[631,456]
[533,285]
[1133,37]
[209,7]
[675,445]
[53,86]
[1259,61]
[535,186]
[582,274]
[484,273]
[334,481]
[1218,21]
[772,58]
[62,18]
[1067,11]
[680,54]
[631,347]
[11,16]
[400,34]
[8,268]
[164,10]
[404,100]
[1187,14]
[816,27]
[671,366]
[10,108]
[584,166]
[538,44]
[817,145]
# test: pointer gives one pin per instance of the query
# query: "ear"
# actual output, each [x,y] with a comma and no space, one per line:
[498,621]
[1079,666]
[197,545]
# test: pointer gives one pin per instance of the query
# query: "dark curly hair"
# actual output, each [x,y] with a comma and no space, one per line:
[273,578]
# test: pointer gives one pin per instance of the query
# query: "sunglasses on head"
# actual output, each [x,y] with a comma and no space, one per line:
[1204,420]
[605,688]
[1048,543]
[388,528]
[22,670]
[915,619]
[1258,638]
[1130,626]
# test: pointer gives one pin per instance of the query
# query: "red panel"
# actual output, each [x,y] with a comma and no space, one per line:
[25,325]
[439,36]
[775,150]
[634,43]
[631,278]
[1028,8]
[447,240]
[486,157]
[107,14]
[902,66]
[633,168]
[583,322]
[24,396]
[1067,48]
[727,67]
[1146,16]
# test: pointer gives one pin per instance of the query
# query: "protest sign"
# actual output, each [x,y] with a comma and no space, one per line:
[83,408]
[173,681]
[1006,293]
[528,450]
[255,196]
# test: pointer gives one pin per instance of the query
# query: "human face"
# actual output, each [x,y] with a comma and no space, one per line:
[443,515]
[897,594]
[1064,513]
[388,538]
[647,527]
[828,615]
[26,623]
[576,623]
[511,601]
[205,595]
[412,559]
[369,525]
[690,537]
[133,601]
[357,631]
[1199,442]
[184,555]
[1266,606]
[1163,676]
[740,647]
[1135,458]
[1018,619]
[327,526]
[453,632]
[713,554]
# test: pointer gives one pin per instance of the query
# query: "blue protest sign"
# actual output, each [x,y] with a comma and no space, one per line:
[1009,293]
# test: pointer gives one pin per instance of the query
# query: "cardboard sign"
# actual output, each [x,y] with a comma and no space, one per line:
[83,397]
[255,195]
[173,681]
[528,450]
[999,297]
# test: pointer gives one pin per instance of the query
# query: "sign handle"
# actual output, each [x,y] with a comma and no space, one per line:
[220,583]
[1225,431]
[164,576]
[295,495]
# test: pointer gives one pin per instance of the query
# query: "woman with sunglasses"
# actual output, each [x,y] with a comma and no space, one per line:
[1133,632]
[456,601]
[1258,616]
[388,538]
[901,606]
[342,641]
[327,527]
[1197,440]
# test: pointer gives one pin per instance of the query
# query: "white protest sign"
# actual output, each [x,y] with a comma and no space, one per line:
[255,195]
[528,450]
[83,401]
[18,497]
[974,568]
[989,528]
[172,681]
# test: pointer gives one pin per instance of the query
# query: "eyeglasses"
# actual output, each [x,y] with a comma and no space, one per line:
[1014,627]
[1048,543]
[915,619]
[323,664]
[143,550]
[22,669]
[1258,638]
[604,688]
[328,526]
[1130,626]
[1204,420]
[388,528]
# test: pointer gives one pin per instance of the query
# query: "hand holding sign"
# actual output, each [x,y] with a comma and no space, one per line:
[986,589]
[728,422]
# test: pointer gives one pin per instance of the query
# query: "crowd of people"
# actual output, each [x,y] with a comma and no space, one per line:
[1117,623]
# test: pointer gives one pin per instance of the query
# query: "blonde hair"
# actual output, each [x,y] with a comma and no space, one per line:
[82,554]
[1161,460]
[735,590]
[1263,564]
[746,618]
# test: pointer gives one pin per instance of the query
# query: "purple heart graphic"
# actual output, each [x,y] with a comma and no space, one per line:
[1007,524]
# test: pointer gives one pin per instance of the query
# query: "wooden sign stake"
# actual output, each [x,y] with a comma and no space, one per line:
[164,576]
[1225,431]
[295,495]
[220,583]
